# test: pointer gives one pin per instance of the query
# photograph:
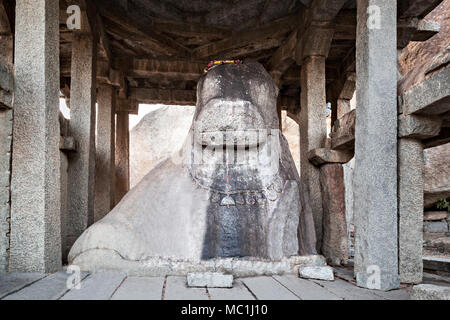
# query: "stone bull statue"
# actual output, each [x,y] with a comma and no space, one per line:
[232,191]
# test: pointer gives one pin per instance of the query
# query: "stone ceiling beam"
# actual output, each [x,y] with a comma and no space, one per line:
[5,25]
[104,40]
[416,8]
[315,36]
[273,29]
[431,97]
[175,69]
[130,106]
[150,37]
[414,29]
[164,96]
[325,10]
[190,29]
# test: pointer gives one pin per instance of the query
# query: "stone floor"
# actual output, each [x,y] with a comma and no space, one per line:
[117,286]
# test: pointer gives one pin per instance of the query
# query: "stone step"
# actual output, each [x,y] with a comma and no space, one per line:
[435,226]
[436,264]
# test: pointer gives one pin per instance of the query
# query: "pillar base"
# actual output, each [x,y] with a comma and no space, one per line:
[385,282]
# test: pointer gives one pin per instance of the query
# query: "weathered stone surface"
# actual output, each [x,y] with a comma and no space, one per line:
[82,123]
[231,214]
[431,97]
[155,138]
[322,155]
[439,245]
[318,273]
[210,280]
[35,186]
[122,185]
[375,181]
[418,57]
[430,292]
[105,153]
[6,100]
[335,242]
[6,85]
[6,127]
[65,241]
[348,183]
[410,209]
[436,174]
[435,215]
[6,79]
[67,144]
[343,134]
[435,226]
[147,151]
[418,127]
[313,132]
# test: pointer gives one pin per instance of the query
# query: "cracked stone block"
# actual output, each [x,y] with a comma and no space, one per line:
[319,273]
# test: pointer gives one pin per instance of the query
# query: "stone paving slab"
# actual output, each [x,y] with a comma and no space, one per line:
[137,288]
[98,286]
[10,283]
[267,288]
[305,289]
[176,289]
[238,292]
[52,287]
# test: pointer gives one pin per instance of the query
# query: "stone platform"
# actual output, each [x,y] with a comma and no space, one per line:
[113,285]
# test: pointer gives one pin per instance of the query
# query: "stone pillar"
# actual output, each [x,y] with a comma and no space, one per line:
[410,207]
[276,76]
[313,131]
[82,122]
[35,185]
[334,244]
[105,153]
[122,156]
[375,177]
[6,129]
